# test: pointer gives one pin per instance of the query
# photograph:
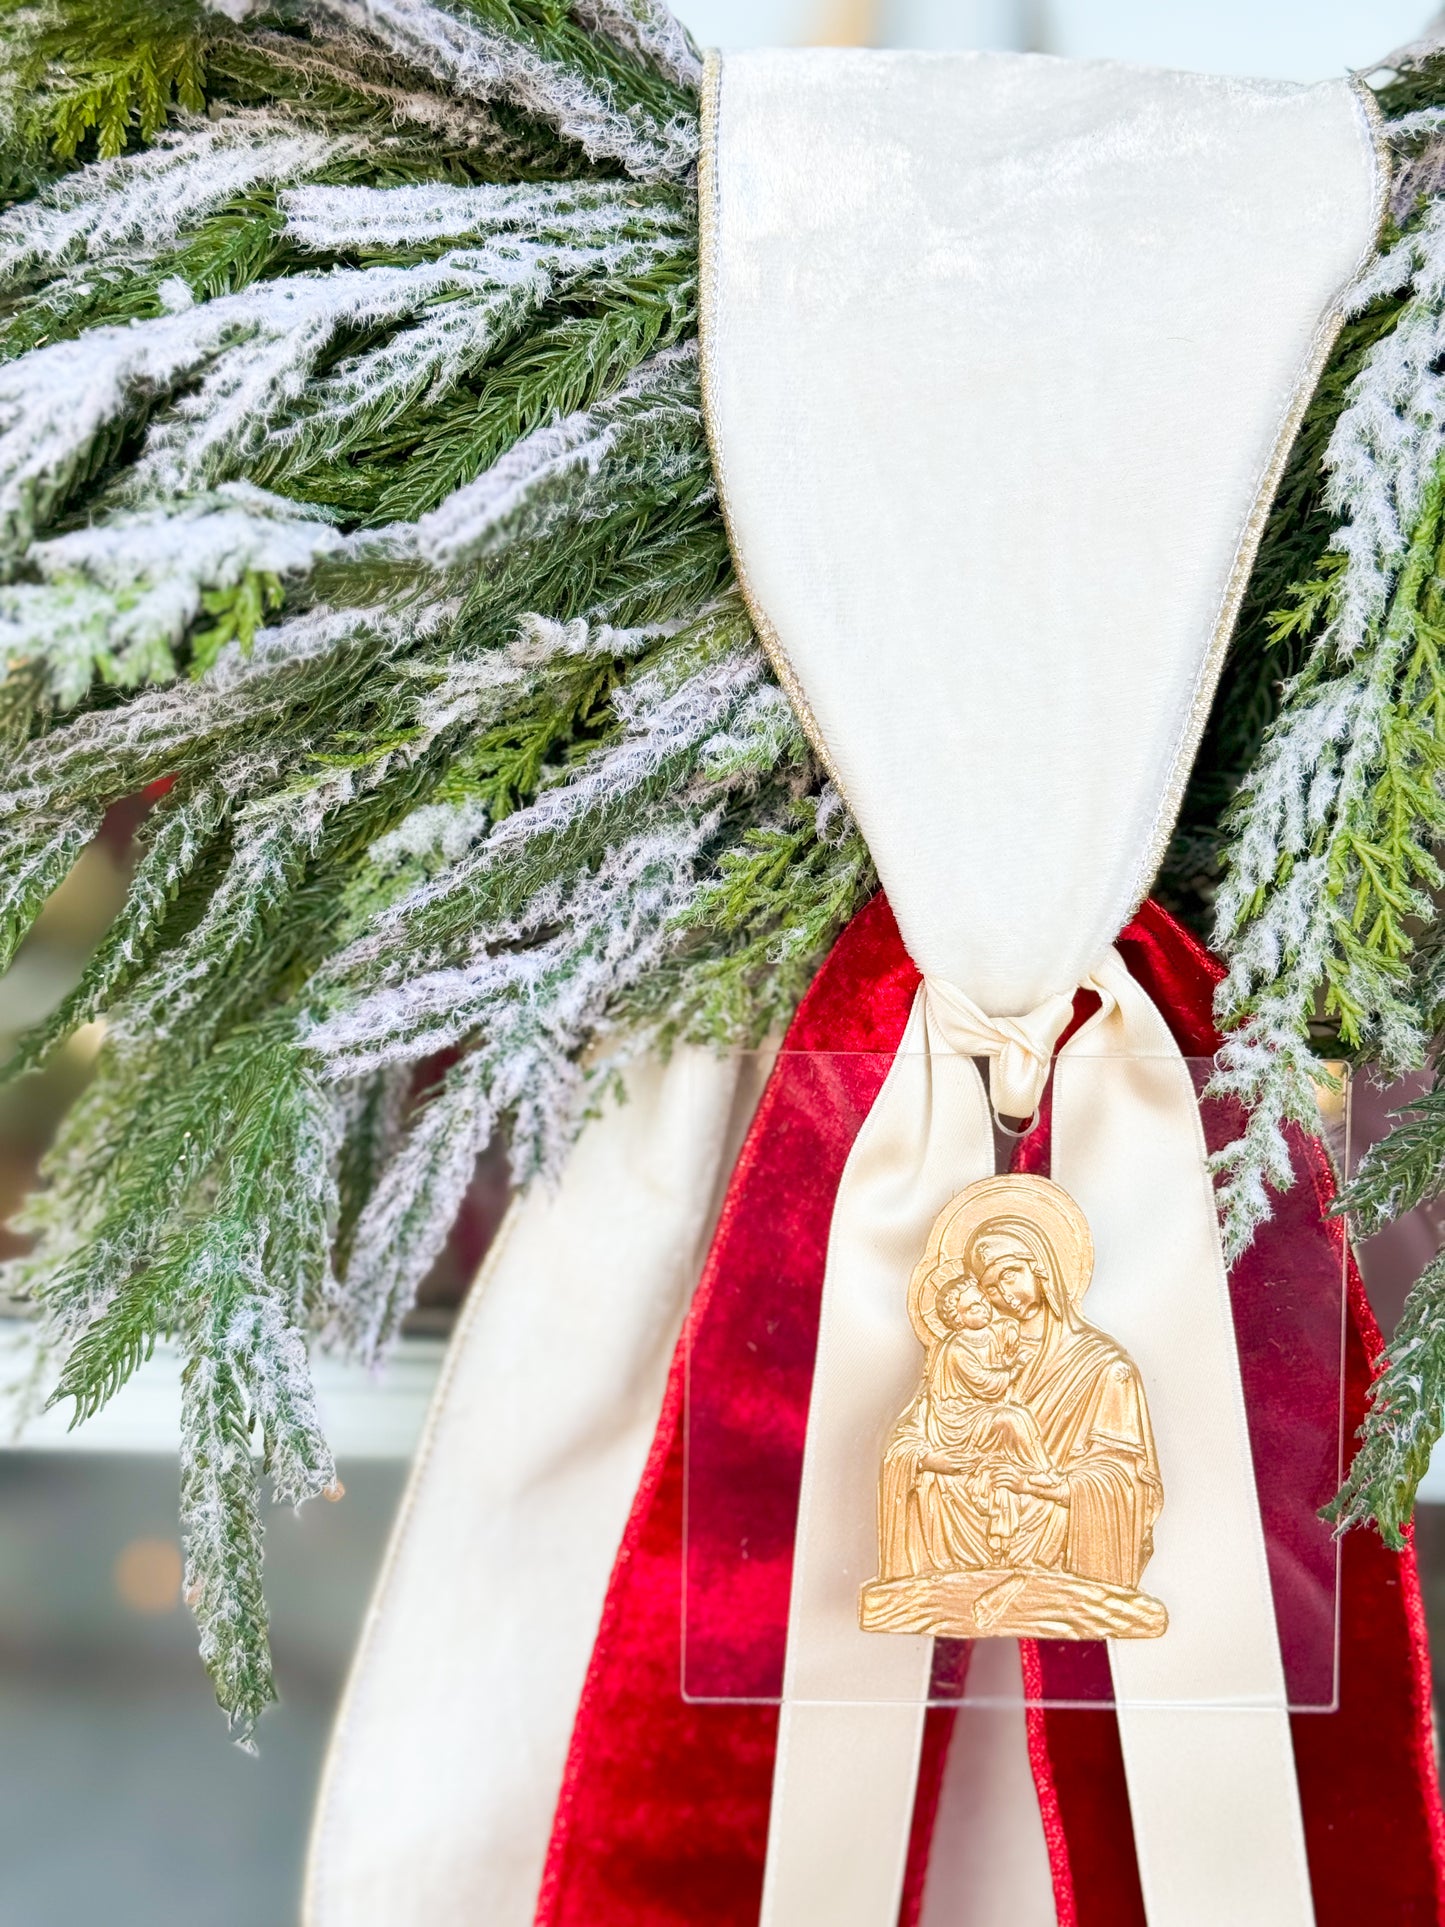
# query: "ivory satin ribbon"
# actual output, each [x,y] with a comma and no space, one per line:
[988,1858]
[1202,1710]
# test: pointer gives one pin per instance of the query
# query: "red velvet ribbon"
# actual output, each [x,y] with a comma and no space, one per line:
[663,1815]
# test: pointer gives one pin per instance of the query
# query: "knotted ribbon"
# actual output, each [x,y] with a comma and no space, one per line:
[1019,1050]
[1202,1710]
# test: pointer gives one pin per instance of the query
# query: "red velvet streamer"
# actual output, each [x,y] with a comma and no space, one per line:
[662,1820]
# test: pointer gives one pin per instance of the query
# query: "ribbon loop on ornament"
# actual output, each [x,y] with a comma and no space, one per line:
[1020,1050]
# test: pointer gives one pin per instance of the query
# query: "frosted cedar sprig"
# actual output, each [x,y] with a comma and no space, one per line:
[1327,913]
[356,496]
[1332,863]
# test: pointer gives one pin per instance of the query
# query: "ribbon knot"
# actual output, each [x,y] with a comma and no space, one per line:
[1019,1049]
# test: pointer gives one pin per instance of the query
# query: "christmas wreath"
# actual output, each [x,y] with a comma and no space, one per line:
[356,511]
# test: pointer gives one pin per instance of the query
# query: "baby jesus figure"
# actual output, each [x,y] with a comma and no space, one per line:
[972,1421]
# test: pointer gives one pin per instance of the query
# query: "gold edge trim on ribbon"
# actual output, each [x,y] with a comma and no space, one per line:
[1206,683]
[707,225]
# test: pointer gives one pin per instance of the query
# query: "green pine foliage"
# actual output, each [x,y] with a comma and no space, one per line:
[355,509]
[1382,867]
[104,75]
[1403,1170]
[758,927]
[1269,645]
[1327,758]
[1406,1400]
[1375,851]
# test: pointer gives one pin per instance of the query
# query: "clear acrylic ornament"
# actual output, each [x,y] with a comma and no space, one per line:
[749,1354]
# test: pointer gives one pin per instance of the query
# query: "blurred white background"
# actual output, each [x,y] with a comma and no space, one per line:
[1287,39]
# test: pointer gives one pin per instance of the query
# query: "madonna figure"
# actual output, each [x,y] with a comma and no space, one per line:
[1020,1487]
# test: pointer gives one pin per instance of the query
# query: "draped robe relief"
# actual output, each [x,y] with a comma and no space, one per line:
[1019,1489]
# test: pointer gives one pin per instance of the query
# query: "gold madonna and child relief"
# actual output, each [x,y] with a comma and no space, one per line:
[1019,1489]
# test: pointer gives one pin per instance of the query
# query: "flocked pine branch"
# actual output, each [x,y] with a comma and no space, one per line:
[1404,1169]
[1327,914]
[358,512]
[648,29]
[1332,864]
[555,74]
[1403,1423]
[141,202]
[116,601]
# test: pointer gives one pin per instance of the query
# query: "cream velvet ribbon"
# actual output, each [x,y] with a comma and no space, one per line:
[1002,360]
[1202,1711]
[442,1777]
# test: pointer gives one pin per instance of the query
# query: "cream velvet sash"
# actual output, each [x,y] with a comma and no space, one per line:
[442,1777]
[1002,357]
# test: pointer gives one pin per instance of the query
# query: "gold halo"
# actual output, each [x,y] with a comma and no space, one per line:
[1038,1201]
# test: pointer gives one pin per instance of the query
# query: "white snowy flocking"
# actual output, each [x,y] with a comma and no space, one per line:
[1388,440]
[477,691]
[347,61]
[269,1347]
[1385,449]
[546,477]
[117,598]
[38,851]
[152,735]
[577,213]
[272,838]
[442,832]
[703,719]
[699,737]
[260,352]
[424,361]
[1276,911]
[212,538]
[476,61]
[536,1004]
[649,29]
[248,356]
[142,201]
